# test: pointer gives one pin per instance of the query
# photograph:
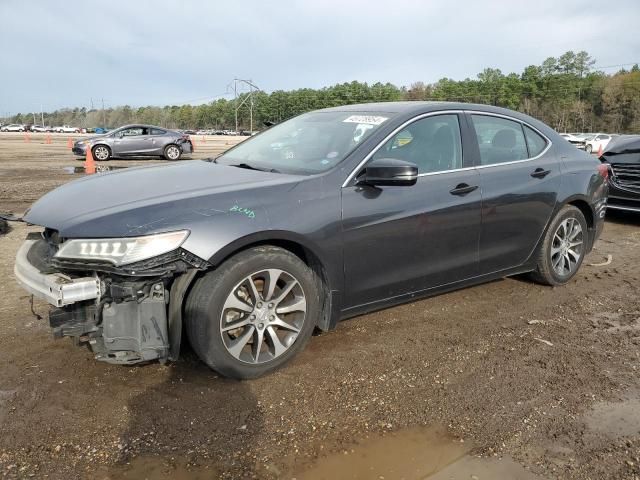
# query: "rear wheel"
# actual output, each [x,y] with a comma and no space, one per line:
[254,313]
[563,248]
[172,152]
[101,153]
[588,149]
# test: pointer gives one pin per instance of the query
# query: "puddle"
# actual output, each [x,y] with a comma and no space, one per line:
[83,170]
[414,454]
[615,419]
[157,468]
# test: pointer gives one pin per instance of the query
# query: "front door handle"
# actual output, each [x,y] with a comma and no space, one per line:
[540,173]
[463,189]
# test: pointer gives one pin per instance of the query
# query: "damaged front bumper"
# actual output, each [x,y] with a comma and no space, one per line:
[123,318]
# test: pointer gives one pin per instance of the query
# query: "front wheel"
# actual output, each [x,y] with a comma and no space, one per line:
[563,248]
[172,152]
[253,313]
[101,153]
[588,149]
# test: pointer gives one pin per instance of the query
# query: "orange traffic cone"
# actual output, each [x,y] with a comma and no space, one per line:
[69,143]
[48,139]
[26,137]
[89,163]
[600,151]
[193,144]
[204,140]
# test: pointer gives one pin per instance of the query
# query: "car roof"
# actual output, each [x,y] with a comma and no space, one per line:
[418,107]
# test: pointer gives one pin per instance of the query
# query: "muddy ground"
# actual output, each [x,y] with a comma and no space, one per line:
[504,380]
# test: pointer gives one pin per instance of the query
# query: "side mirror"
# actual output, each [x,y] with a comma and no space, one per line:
[389,172]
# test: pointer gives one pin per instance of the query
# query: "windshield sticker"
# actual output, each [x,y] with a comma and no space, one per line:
[365,119]
[244,211]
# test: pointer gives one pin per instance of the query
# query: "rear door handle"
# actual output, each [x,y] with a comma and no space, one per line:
[540,173]
[463,189]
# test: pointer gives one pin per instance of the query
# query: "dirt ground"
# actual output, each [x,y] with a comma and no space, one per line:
[504,380]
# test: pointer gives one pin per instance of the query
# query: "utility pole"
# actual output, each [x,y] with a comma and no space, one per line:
[41,115]
[252,88]
[104,122]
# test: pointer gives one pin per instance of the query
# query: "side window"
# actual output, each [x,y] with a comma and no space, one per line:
[535,141]
[157,131]
[432,143]
[500,140]
[133,132]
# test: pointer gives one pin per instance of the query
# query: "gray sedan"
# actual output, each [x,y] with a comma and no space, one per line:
[135,140]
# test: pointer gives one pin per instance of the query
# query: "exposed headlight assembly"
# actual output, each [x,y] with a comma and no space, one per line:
[122,251]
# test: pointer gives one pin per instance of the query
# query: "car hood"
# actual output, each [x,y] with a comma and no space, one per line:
[145,200]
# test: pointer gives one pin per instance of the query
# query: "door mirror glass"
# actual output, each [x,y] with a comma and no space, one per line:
[389,172]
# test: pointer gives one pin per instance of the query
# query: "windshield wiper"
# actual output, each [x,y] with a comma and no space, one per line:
[251,167]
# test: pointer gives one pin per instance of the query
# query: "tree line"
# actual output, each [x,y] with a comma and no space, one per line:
[568,93]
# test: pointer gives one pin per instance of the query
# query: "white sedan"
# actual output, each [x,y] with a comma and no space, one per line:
[14,127]
[597,141]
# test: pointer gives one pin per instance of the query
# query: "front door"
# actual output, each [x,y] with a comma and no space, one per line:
[132,140]
[404,239]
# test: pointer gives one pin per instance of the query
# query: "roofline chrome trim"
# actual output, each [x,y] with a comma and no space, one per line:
[445,112]
[390,135]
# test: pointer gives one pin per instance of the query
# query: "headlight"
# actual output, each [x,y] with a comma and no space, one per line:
[121,251]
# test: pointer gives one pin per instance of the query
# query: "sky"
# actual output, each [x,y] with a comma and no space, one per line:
[70,53]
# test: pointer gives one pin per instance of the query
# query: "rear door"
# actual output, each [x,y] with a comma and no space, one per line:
[519,177]
[403,239]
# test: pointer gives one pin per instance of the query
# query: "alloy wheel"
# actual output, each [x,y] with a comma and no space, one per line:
[263,315]
[101,153]
[173,153]
[567,247]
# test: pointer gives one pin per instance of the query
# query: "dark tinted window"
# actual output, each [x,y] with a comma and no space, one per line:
[432,143]
[500,140]
[535,141]
[157,131]
[135,131]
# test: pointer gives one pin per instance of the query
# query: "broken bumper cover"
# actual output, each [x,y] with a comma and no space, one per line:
[123,319]
[55,288]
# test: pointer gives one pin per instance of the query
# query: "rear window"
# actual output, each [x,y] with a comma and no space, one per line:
[157,131]
[499,140]
[535,141]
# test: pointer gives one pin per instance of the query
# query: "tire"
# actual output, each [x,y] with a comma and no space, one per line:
[568,232]
[172,152]
[101,153]
[588,149]
[210,308]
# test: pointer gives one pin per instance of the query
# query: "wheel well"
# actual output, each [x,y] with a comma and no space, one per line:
[311,260]
[101,145]
[586,211]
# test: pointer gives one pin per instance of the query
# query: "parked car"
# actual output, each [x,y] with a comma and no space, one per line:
[101,130]
[575,139]
[14,127]
[41,128]
[622,156]
[66,129]
[135,140]
[257,248]
[597,141]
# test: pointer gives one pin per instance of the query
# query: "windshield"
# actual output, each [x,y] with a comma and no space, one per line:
[307,144]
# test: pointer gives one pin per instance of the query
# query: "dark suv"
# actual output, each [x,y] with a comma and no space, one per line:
[623,158]
[328,215]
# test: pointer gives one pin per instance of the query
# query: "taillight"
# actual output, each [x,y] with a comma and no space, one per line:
[603,170]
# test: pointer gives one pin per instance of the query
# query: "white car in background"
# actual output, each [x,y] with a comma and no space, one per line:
[597,141]
[41,128]
[66,129]
[14,127]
